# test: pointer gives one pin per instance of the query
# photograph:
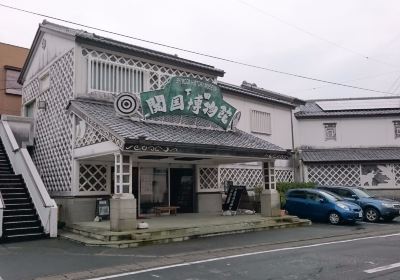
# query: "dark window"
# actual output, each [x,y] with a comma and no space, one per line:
[345,193]
[297,194]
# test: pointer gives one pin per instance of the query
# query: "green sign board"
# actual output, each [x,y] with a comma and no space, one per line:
[190,97]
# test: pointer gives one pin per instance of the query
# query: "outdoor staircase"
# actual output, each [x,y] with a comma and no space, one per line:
[20,219]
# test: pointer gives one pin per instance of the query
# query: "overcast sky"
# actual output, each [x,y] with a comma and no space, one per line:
[322,39]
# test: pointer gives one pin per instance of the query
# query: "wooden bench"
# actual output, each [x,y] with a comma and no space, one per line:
[165,209]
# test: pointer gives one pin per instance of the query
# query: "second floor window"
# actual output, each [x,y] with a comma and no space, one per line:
[260,122]
[330,131]
[105,76]
[396,129]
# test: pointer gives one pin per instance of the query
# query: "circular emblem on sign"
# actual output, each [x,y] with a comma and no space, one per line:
[126,104]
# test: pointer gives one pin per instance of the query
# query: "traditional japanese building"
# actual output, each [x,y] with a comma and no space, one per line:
[144,128]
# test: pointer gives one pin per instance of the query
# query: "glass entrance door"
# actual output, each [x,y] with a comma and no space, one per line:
[153,188]
[182,189]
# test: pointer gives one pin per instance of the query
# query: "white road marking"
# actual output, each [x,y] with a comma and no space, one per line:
[239,255]
[382,268]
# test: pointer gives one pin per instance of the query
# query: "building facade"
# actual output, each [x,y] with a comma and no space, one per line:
[187,136]
[353,142]
[11,60]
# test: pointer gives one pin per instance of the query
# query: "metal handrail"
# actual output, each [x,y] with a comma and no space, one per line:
[2,204]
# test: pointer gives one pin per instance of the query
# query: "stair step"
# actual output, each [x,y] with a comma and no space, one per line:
[25,199]
[20,217]
[16,212]
[14,195]
[21,224]
[24,237]
[18,205]
[27,230]
[13,190]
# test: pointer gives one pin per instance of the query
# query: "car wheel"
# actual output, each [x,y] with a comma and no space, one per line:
[334,218]
[371,215]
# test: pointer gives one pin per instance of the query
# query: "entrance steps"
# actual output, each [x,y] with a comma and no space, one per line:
[97,234]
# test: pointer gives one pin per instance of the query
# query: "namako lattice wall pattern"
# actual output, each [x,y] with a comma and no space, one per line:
[249,177]
[53,126]
[91,136]
[284,175]
[334,174]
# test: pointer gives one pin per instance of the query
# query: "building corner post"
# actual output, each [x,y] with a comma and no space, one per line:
[270,199]
[123,202]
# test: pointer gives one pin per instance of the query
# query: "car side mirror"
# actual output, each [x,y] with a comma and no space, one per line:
[321,200]
[354,196]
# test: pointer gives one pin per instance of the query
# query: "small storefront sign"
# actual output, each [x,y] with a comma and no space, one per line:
[103,208]
[190,97]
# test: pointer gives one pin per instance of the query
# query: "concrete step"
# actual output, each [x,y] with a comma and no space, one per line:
[166,235]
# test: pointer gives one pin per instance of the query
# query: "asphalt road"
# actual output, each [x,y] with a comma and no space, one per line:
[350,259]
[66,260]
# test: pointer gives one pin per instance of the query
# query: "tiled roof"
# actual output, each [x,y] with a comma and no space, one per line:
[131,130]
[351,154]
[312,110]
[87,36]
[261,93]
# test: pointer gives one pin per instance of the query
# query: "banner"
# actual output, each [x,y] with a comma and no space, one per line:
[190,97]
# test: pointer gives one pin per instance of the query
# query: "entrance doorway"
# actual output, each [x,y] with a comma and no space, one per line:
[182,189]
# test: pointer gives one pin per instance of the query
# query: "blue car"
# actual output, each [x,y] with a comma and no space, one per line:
[374,208]
[321,205]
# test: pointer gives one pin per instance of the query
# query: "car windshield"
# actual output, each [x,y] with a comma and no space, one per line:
[361,193]
[331,196]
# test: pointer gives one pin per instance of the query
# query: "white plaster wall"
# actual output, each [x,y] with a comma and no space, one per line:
[281,134]
[350,132]
[56,46]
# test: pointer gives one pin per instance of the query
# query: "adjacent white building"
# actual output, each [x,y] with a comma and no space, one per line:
[353,141]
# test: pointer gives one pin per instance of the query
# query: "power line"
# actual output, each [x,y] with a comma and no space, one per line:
[367,57]
[352,80]
[195,52]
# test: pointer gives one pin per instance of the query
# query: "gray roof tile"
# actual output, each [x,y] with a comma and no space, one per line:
[351,154]
[126,129]
[312,110]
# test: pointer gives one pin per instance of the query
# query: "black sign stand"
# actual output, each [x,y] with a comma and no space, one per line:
[233,198]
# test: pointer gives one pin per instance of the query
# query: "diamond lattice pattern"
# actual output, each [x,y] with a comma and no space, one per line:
[396,171]
[92,178]
[334,174]
[90,137]
[208,178]
[249,177]
[52,151]
[284,175]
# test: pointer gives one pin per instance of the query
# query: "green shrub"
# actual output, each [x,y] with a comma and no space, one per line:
[283,187]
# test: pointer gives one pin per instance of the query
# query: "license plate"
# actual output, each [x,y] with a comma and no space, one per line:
[360,215]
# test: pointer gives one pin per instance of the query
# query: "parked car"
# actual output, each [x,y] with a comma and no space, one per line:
[374,208]
[321,205]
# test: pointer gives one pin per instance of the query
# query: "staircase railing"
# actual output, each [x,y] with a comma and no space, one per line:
[22,164]
[2,206]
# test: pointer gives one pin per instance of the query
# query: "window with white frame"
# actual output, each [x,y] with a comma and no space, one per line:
[330,131]
[260,122]
[12,85]
[106,76]
[396,129]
